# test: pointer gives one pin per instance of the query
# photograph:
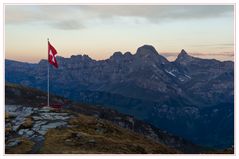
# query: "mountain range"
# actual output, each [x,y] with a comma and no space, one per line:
[190,97]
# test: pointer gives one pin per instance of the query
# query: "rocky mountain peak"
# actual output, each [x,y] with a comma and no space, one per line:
[42,61]
[76,56]
[183,55]
[127,54]
[84,57]
[80,56]
[87,58]
[146,50]
[117,55]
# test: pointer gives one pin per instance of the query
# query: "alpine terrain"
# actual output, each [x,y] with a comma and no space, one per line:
[190,97]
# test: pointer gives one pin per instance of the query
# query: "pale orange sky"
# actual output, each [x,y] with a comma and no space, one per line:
[99,31]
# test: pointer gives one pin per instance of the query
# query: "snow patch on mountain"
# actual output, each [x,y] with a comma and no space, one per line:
[188,76]
[170,72]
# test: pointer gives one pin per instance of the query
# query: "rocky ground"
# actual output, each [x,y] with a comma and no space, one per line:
[49,131]
[31,124]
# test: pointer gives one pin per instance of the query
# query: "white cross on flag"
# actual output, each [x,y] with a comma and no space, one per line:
[52,55]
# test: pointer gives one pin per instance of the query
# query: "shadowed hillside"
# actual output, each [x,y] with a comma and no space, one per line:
[79,128]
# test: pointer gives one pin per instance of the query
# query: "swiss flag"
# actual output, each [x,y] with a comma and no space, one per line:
[52,55]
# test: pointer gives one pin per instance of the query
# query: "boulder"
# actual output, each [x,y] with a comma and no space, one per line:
[28,123]
[9,115]
[13,142]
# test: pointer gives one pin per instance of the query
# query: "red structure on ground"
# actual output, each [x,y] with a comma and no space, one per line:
[56,106]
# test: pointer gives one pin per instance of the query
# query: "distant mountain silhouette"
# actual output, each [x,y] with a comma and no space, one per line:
[190,97]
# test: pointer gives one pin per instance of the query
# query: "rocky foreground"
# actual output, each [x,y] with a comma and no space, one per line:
[32,124]
[47,130]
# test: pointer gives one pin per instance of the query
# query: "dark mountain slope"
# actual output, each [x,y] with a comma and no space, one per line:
[88,118]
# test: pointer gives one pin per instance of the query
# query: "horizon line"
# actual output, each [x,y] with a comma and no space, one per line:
[164,54]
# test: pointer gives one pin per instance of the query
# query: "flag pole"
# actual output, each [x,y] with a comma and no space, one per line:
[48,90]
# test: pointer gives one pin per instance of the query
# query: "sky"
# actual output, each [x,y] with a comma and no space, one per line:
[205,31]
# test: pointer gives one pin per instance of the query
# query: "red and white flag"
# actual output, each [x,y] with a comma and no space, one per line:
[52,55]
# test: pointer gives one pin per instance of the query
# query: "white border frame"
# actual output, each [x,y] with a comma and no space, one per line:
[118,2]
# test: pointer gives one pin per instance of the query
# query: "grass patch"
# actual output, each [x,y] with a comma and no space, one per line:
[24,147]
[92,136]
